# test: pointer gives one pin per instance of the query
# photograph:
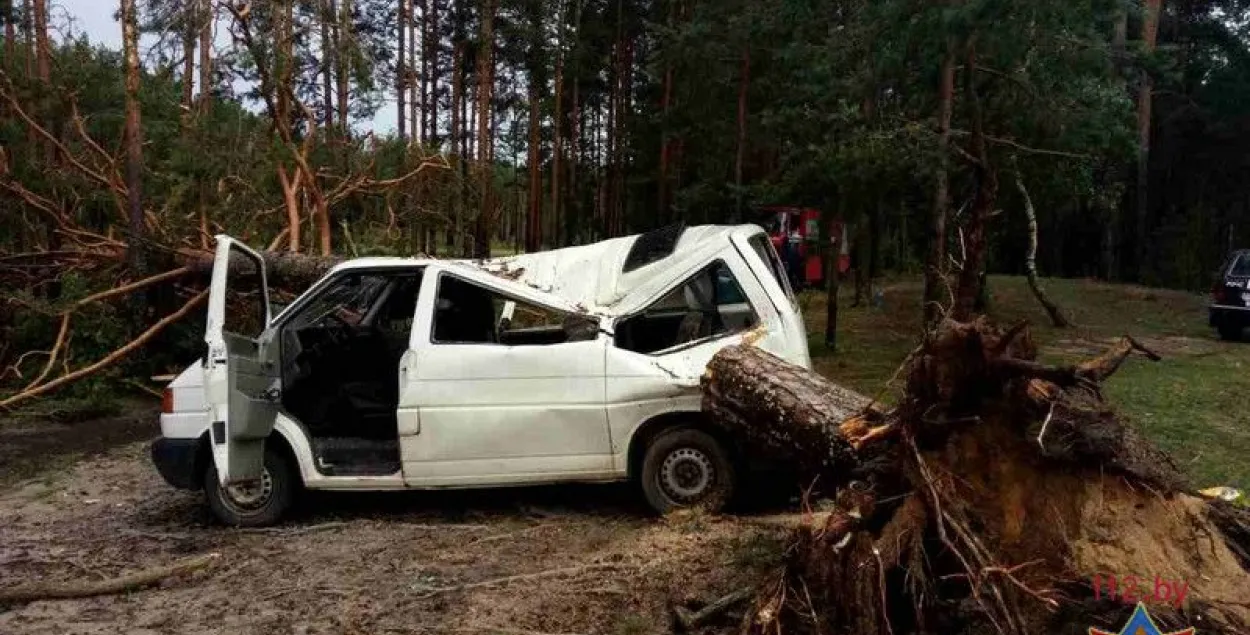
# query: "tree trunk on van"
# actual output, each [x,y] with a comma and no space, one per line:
[787,412]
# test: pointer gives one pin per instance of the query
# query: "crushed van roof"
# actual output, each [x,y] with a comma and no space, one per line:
[592,276]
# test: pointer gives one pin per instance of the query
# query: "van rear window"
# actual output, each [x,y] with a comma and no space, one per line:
[1241,267]
[764,249]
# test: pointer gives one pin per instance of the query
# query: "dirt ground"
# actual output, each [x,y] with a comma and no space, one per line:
[590,559]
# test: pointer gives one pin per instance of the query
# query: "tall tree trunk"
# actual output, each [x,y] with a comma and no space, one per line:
[43,65]
[1145,98]
[28,30]
[744,83]
[1114,172]
[414,78]
[623,108]
[482,229]
[574,207]
[557,117]
[972,274]
[10,32]
[432,51]
[190,14]
[346,45]
[207,17]
[133,133]
[535,225]
[666,101]
[329,48]
[284,66]
[204,104]
[457,126]
[401,71]
[1030,260]
[833,276]
[935,264]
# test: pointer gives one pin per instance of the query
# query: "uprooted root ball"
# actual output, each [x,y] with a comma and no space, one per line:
[1003,491]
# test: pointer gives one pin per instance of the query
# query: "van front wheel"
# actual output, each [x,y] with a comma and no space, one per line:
[687,468]
[253,505]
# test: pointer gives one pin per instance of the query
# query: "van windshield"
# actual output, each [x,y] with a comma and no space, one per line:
[764,249]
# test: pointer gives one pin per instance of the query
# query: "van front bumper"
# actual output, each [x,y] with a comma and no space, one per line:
[177,461]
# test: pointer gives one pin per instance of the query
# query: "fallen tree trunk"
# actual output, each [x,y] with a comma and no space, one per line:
[783,409]
[988,501]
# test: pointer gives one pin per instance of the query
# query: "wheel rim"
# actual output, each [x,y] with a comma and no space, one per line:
[686,475]
[243,499]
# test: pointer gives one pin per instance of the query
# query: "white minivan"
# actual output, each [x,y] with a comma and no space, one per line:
[574,365]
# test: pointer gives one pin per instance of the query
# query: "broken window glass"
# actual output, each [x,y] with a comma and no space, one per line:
[709,304]
[468,313]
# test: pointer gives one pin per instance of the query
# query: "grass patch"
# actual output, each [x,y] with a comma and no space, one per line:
[1192,403]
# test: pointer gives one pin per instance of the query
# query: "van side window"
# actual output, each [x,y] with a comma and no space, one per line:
[709,304]
[468,313]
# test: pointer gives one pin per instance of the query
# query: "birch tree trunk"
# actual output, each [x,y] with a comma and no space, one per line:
[1030,263]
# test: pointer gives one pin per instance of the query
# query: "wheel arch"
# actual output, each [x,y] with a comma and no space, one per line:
[653,427]
[276,440]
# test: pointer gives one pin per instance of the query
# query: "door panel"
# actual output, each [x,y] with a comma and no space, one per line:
[492,413]
[240,378]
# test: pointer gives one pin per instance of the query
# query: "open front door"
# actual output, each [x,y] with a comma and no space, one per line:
[241,380]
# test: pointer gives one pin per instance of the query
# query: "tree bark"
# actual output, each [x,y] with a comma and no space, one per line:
[972,273]
[432,50]
[133,133]
[207,17]
[10,31]
[190,15]
[1145,98]
[284,66]
[744,83]
[833,278]
[784,411]
[935,264]
[414,79]
[485,78]
[557,117]
[535,224]
[401,71]
[38,12]
[345,44]
[329,48]
[1030,263]
[290,196]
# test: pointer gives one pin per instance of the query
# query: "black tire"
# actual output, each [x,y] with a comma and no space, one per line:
[267,508]
[1230,332]
[685,468]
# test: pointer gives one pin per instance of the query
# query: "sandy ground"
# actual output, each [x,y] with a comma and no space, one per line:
[438,562]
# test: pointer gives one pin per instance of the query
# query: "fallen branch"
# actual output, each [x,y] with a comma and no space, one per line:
[692,620]
[130,582]
[548,573]
[111,357]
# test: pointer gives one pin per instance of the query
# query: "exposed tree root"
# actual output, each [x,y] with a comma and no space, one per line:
[986,501]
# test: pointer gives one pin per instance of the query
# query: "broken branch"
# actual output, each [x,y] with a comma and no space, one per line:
[130,582]
[109,359]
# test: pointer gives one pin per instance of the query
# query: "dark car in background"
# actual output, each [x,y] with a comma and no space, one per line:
[1230,297]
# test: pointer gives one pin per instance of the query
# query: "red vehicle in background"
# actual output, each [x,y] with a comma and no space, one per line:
[795,232]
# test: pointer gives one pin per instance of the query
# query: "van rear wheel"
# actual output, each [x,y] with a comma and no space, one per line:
[253,505]
[686,468]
